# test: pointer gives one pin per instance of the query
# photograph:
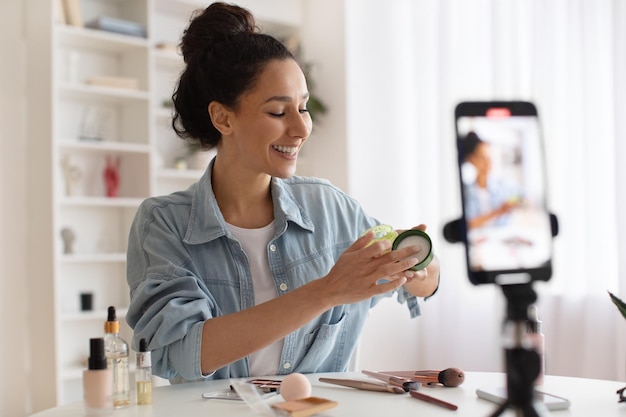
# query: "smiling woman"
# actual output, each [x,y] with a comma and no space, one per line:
[253,270]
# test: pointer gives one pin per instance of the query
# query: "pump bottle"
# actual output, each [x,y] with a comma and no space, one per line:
[116,350]
[143,374]
[97,381]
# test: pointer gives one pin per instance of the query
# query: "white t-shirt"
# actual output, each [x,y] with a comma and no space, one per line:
[254,242]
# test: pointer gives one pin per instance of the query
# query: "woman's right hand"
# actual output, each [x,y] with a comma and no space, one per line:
[357,274]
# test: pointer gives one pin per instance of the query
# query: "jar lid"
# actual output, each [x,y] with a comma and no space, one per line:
[420,238]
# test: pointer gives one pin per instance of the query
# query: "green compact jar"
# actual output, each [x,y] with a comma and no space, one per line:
[418,238]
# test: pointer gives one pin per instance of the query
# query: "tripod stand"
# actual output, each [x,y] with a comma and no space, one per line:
[522,361]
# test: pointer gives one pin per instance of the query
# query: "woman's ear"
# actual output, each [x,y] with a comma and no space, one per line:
[220,116]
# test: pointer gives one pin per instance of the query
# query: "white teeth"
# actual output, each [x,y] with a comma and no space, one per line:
[286,149]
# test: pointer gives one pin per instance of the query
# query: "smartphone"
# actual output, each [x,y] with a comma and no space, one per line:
[499,396]
[506,225]
[265,388]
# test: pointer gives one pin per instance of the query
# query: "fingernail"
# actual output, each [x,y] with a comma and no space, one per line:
[417,249]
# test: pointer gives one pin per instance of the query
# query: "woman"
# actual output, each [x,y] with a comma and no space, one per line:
[252,270]
[487,200]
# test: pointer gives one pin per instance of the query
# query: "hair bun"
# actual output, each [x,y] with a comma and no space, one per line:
[217,22]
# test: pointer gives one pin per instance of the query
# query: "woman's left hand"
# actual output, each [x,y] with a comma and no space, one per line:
[424,282]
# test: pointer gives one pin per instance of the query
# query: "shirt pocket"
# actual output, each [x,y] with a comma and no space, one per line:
[326,348]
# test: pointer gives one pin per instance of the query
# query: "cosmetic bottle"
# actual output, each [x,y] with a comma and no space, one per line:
[143,374]
[97,381]
[537,339]
[116,351]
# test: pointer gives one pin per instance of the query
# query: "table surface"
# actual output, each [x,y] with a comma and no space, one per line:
[589,397]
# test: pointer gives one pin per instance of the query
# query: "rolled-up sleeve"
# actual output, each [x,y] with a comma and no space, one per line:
[168,303]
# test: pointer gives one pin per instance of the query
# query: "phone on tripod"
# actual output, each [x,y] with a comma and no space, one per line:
[506,225]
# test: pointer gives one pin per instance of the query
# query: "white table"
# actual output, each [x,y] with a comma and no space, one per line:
[589,397]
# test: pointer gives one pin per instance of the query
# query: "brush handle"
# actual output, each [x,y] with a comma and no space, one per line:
[363,385]
[433,400]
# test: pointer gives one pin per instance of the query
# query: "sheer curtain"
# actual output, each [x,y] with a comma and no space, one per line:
[568,58]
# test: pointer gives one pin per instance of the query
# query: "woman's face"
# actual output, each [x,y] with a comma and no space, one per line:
[481,158]
[271,122]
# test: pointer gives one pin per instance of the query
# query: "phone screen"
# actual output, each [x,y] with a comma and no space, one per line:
[506,223]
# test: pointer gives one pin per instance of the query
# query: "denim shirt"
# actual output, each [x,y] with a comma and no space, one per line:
[498,193]
[184,267]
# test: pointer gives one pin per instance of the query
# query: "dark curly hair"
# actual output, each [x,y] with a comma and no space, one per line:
[470,143]
[224,53]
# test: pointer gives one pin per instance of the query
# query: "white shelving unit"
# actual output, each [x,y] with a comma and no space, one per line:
[77,127]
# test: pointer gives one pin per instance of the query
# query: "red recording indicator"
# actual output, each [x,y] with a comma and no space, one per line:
[498,112]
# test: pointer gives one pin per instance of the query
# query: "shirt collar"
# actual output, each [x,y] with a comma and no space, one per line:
[206,222]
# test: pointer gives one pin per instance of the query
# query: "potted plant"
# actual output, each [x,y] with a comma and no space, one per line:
[621,306]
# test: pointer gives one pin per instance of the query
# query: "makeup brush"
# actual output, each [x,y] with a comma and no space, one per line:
[405,383]
[450,377]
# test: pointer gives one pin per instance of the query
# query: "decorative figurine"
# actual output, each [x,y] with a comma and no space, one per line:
[68,237]
[71,174]
[112,176]
[92,124]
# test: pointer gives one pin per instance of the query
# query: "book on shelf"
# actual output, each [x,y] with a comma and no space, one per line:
[59,12]
[121,26]
[73,14]
[115,82]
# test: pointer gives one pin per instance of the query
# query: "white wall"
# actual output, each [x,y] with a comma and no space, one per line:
[325,49]
[14,289]
[382,162]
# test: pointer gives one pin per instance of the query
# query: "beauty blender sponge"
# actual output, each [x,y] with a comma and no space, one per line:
[295,387]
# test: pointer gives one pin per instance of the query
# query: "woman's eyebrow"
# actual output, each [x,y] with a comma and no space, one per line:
[285,99]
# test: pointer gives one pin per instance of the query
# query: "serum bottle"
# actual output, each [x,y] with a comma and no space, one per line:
[116,350]
[143,374]
[97,381]
[537,339]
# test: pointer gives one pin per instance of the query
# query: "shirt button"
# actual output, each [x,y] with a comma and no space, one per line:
[273,248]
[287,365]
[283,287]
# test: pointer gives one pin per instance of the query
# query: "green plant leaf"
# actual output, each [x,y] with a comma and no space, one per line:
[619,303]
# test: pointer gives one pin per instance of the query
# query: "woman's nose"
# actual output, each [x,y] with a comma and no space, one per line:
[300,126]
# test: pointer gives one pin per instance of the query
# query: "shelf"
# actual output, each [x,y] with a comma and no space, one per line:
[90,92]
[103,146]
[85,38]
[115,202]
[94,258]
